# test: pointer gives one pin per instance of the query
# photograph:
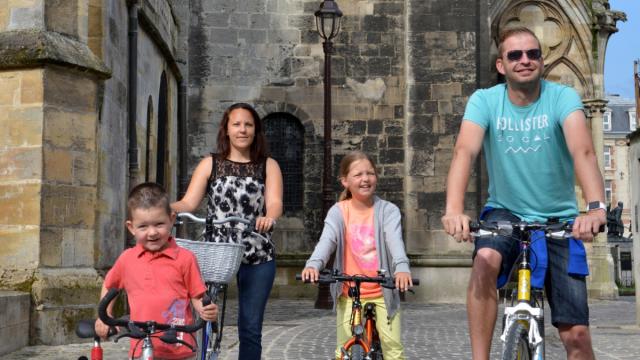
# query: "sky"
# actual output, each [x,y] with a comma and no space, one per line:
[623,48]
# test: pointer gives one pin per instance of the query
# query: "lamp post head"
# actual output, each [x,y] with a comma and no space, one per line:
[328,19]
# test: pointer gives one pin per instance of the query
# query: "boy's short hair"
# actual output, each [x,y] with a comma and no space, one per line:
[147,195]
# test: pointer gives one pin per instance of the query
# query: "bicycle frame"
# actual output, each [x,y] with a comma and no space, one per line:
[527,308]
[362,335]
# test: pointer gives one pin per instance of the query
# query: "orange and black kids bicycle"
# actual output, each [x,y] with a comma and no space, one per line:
[364,343]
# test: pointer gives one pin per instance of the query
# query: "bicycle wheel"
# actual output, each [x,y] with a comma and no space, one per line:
[516,346]
[357,352]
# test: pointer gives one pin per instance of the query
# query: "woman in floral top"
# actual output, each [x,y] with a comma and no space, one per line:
[241,180]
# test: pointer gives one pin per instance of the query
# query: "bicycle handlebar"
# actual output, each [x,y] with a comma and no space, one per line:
[554,230]
[328,277]
[215,222]
[251,224]
[146,326]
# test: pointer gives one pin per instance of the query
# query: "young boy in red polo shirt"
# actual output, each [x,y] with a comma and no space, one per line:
[160,278]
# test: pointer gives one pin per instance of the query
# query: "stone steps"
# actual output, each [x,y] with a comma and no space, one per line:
[14,320]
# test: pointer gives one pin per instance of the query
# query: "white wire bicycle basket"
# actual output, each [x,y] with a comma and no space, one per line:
[219,262]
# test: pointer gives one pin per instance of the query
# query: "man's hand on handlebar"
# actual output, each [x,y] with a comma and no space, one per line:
[310,274]
[586,226]
[457,225]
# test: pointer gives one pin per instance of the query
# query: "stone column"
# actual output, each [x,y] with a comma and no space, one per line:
[601,282]
[49,109]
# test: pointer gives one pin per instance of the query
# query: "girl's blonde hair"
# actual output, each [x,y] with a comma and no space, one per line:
[345,166]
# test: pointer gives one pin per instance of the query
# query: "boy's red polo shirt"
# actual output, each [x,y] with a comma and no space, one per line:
[159,287]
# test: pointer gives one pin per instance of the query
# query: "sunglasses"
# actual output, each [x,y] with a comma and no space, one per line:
[532,54]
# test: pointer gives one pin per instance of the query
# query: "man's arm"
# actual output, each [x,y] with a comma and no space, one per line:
[467,147]
[580,145]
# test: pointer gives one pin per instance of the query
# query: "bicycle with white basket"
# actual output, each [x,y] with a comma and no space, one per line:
[219,262]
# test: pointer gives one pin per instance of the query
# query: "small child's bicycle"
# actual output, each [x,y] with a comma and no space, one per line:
[364,343]
[219,262]
[523,320]
[144,331]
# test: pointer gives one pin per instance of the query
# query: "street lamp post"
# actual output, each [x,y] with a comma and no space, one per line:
[328,26]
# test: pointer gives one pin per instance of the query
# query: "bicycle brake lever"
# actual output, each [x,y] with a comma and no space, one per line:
[388,283]
[135,332]
[193,349]
[124,334]
[170,336]
[252,225]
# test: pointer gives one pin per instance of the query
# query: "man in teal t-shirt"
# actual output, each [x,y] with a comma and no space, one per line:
[520,144]
[535,138]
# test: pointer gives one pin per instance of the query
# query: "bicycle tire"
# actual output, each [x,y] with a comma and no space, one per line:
[516,346]
[357,352]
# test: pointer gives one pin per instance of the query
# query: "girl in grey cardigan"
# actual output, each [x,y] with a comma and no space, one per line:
[365,232]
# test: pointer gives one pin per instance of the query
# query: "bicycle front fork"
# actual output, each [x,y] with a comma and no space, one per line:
[147,349]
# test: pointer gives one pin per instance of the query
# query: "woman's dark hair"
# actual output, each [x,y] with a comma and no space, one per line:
[259,149]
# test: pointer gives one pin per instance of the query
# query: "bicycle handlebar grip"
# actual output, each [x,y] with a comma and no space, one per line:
[322,279]
[306,281]
[102,308]
[206,299]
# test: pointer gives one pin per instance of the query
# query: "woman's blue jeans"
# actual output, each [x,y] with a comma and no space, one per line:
[254,286]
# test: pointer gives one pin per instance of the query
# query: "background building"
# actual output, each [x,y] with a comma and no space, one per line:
[99,95]
[619,120]
[634,173]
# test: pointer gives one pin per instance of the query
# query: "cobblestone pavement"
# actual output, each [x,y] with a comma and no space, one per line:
[295,330]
